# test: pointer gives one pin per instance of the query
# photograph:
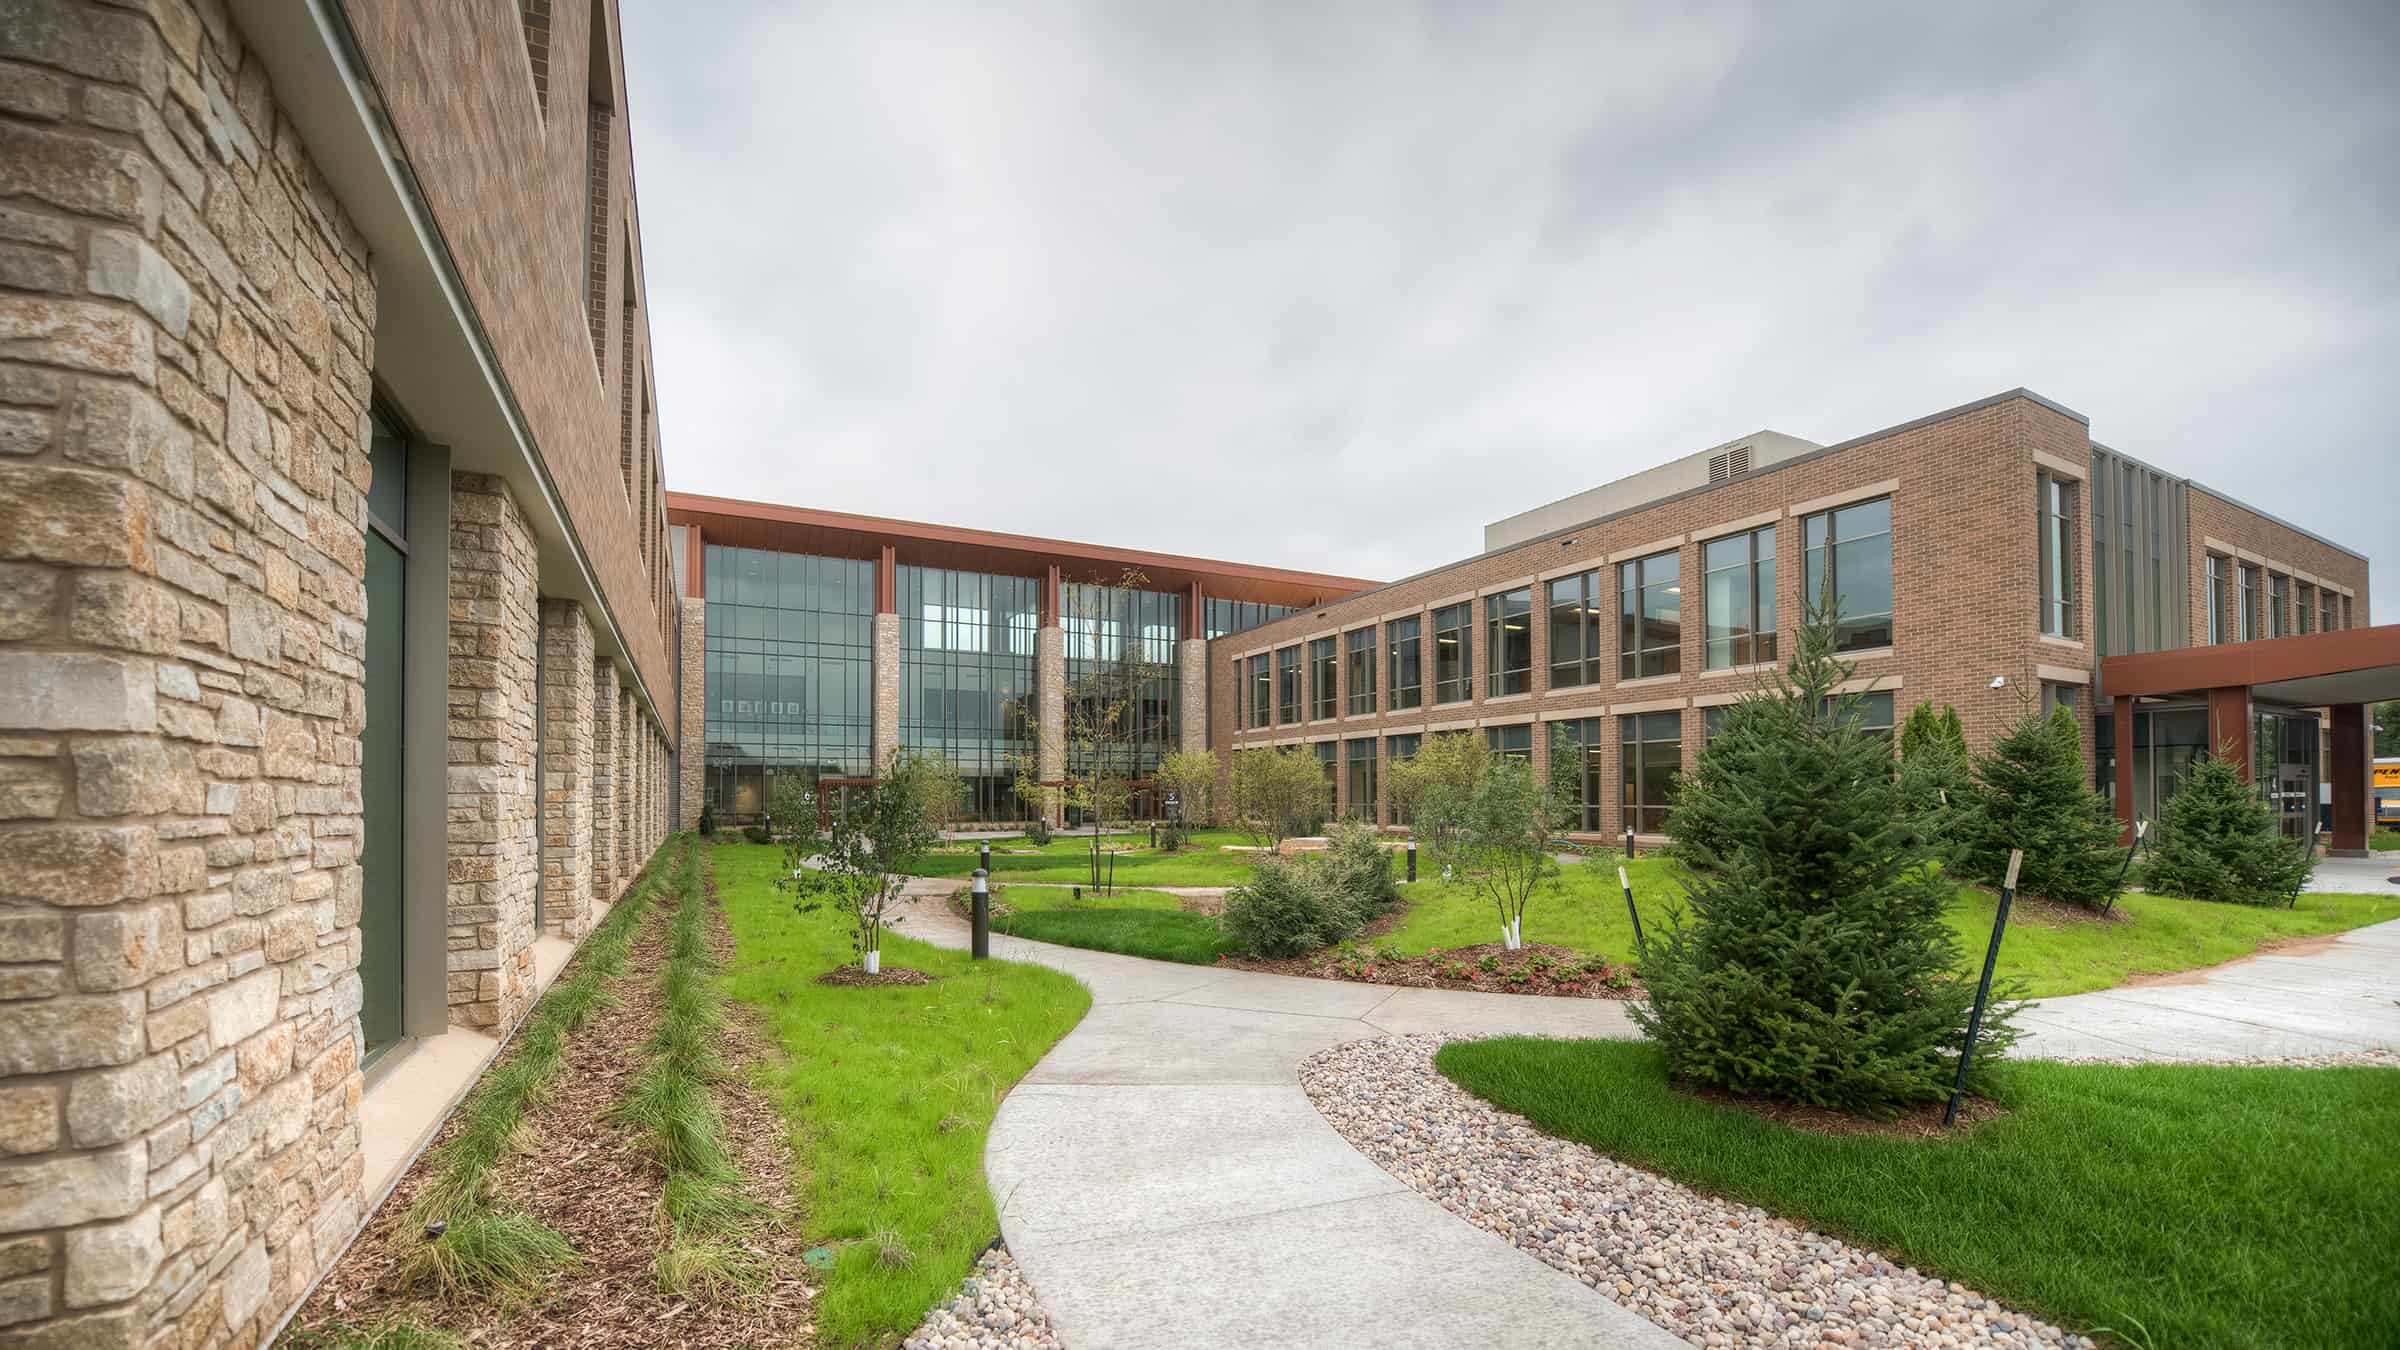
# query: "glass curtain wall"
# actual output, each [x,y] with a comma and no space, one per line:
[967,670]
[790,672]
[1121,644]
[1221,617]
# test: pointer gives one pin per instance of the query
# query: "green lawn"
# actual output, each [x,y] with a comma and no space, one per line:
[1586,911]
[2385,839]
[889,1093]
[2169,1204]
[1134,923]
[1067,858]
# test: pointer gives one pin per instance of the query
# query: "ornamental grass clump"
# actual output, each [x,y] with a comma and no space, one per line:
[2218,841]
[1812,962]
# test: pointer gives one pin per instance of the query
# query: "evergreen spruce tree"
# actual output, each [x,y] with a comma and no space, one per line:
[1937,781]
[2218,841]
[2034,794]
[1954,731]
[1812,963]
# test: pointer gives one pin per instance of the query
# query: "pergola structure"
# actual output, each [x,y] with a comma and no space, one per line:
[2341,672]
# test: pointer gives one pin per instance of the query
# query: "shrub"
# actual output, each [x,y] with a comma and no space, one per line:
[708,820]
[758,834]
[1279,794]
[1170,839]
[1286,910]
[1814,963]
[1037,832]
[2034,794]
[1357,868]
[2218,841]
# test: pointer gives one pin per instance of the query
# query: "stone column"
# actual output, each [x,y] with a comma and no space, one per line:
[1191,695]
[629,729]
[887,689]
[606,875]
[494,849]
[691,753]
[1050,696]
[567,741]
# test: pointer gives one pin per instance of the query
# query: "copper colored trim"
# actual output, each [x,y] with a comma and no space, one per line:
[2263,661]
[842,534]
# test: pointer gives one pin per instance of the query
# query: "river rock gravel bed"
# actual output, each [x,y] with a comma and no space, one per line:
[1712,1271]
[994,1309]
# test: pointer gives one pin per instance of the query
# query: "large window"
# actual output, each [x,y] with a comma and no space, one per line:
[1405,640]
[1849,568]
[2279,604]
[2332,615]
[2216,599]
[1329,758]
[1508,641]
[1650,616]
[1360,764]
[1287,685]
[1578,612]
[790,682]
[1873,712]
[1262,693]
[1650,753]
[2054,520]
[967,677]
[1360,655]
[1323,669]
[1453,662]
[2249,627]
[2304,608]
[1397,749]
[1741,598]
[1575,751]
[1512,742]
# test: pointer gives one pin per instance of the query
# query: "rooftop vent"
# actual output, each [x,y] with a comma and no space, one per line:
[1726,464]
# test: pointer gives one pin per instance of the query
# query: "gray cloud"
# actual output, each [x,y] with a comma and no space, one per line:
[1330,286]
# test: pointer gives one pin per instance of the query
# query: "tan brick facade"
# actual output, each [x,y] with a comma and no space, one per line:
[2244,537]
[1964,566]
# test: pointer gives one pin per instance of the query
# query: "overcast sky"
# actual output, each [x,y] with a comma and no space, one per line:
[1331,286]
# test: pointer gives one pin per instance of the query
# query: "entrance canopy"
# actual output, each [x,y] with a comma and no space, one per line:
[2341,672]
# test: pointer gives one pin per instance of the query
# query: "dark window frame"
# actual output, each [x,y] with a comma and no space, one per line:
[1359,654]
[1575,607]
[1404,641]
[1287,685]
[1820,574]
[1324,679]
[1638,656]
[1756,644]
[1506,673]
[1458,621]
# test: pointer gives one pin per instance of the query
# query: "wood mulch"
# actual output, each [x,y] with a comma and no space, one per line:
[854,977]
[592,1181]
[1919,1120]
[1538,968]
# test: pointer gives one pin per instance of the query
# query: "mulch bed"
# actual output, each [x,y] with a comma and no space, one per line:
[592,1181]
[1922,1120]
[852,977]
[1538,968]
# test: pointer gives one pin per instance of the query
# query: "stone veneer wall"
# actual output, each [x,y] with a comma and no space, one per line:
[605,827]
[566,769]
[886,721]
[1050,710]
[629,854]
[1191,695]
[185,323]
[691,758]
[494,844]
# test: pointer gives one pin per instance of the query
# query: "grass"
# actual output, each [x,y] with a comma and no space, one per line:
[889,1092]
[391,1335]
[483,1245]
[1068,858]
[2385,838]
[1129,922]
[1586,911]
[2164,1204]
[673,1108]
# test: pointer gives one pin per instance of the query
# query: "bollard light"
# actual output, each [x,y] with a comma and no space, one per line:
[982,943]
[983,856]
[1629,841]
[1412,860]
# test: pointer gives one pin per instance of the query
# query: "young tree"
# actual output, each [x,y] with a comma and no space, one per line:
[1926,728]
[1814,962]
[1500,843]
[1191,775]
[858,865]
[1713,810]
[2033,793]
[1278,793]
[1435,788]
[1937,780]
[2218,841]
[943,787]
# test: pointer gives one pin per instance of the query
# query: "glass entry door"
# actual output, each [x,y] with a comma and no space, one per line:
[2284,748]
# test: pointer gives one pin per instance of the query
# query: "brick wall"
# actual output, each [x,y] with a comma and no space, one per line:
[184,353]
[2241,535]
[1964,569]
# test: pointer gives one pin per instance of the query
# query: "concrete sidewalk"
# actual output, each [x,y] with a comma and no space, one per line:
[1163,1180]
[2324,997]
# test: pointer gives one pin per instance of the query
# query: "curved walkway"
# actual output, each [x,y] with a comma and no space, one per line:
[1163,1180]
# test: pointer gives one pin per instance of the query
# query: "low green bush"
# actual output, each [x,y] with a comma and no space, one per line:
[1357,868]
[758,834]
[1287,910]
[1037,832]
